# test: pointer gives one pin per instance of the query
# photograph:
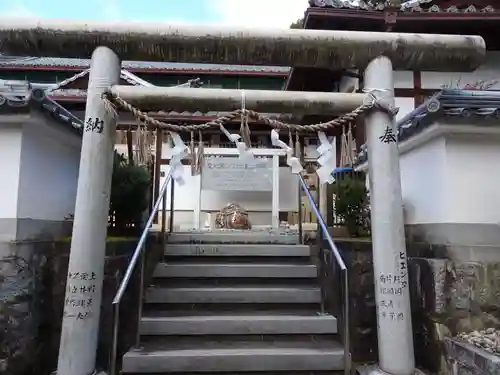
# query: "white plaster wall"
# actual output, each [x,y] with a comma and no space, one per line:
[405,105]
[311,151]
[489,72]
[423,182]
[473,179]
[121,149]
[50,158]
[251,200]
[349,84]
[10,157]
[451,177]
[258,203]
[403,79]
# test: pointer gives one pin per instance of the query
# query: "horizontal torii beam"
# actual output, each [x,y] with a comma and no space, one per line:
[195,44]
[205,100]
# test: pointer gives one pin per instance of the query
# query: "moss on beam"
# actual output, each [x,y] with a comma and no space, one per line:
[308,48]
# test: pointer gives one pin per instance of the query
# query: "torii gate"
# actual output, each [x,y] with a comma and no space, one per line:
[377,53]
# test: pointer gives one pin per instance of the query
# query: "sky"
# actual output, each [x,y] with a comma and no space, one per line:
[244,13]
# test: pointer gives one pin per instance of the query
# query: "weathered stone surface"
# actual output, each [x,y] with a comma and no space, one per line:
[20,284]
[215,45]
[465,359]
[363,324]
[32,286]
[447,298]
[487,339]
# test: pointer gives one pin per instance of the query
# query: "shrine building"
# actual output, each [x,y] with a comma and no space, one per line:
[43,132]
[448,144]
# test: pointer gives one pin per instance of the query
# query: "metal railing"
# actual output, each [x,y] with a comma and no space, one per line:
[139,255]
[323,233]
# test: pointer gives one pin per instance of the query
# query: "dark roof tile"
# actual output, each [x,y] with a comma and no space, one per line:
[51,62]
[406,6]
[19,96]
[446,103]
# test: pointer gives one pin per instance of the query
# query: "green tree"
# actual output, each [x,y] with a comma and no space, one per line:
[299,24]
[129,196]
[352,203]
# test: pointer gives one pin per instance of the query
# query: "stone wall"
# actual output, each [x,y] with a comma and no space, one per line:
[32,286]
[465,359]
[357,254]
[448,297]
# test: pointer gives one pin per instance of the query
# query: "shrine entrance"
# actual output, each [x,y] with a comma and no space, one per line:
[221,177]
[377,53]
[251,186]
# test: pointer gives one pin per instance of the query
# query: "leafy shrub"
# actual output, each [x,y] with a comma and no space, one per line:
[129,196]
[352,204]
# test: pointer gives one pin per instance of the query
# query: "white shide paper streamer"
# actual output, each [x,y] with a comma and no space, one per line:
[291,160]
[327,160]
[179,152]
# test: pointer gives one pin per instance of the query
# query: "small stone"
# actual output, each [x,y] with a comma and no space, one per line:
[486,339]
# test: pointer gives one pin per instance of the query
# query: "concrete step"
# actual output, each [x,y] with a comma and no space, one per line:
[234,359]
[237,250]
[204,309]
[235,270]
[337,372]
[277,236]
[257,294]
[239,325]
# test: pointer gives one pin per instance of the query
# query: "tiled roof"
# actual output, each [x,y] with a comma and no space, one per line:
[20,96]
[57,91]
[407,6]
[448,102]
[16,94]
[54,62]
[124,74]
[44,96]
[23,95]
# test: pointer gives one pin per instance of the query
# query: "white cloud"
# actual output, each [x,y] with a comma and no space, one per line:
[259,13]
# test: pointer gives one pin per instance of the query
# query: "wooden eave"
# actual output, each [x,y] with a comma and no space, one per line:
[341,13]
[332,13]
[365,20]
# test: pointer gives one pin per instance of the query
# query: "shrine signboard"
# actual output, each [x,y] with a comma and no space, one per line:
[231,174]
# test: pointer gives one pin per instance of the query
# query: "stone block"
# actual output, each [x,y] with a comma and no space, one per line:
[32,287]
[447,297]
[466,359]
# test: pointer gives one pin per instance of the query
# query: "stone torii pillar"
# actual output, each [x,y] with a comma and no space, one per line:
[80,327]
[307,48]
[392,292]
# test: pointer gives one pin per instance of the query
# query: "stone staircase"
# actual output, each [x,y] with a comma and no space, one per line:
[235,302]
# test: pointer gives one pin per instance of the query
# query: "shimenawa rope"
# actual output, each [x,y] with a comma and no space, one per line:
[114,103]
